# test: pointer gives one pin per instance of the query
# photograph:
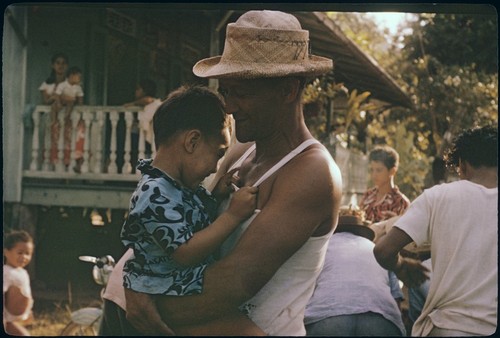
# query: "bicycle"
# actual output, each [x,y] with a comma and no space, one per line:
[86,321]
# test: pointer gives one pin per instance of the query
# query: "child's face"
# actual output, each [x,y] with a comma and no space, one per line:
[75,79]
[19,255]
[379,173]
[139,92]
[206,158]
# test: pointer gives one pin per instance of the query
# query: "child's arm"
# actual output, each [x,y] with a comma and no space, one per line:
[140,102]
[225,185]
[206,241]
[15,302]
[48,98]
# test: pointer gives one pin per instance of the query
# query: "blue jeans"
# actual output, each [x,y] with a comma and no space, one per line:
[362,324]
[416,300]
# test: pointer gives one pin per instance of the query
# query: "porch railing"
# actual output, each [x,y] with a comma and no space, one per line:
[114,138]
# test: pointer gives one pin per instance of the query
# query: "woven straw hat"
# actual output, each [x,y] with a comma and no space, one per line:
[264,44]
[356,226]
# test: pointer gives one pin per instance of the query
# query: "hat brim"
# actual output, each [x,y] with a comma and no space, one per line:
[359,230]
[215,67]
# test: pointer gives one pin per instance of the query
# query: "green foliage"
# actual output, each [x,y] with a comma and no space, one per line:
[456,39]
[448,67]
[316,98]
[450,92]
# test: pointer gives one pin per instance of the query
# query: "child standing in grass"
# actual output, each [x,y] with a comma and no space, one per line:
[18,302]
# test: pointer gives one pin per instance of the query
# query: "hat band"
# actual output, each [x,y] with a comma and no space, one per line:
[252,45]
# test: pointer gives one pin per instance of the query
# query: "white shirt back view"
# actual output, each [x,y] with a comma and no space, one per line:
[460,220]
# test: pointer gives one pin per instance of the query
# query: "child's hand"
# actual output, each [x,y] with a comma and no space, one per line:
[225,185]
[243,202]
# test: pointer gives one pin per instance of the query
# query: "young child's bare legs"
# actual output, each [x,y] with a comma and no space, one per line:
[79,145]
[67,133]
[54,131]
[15,329]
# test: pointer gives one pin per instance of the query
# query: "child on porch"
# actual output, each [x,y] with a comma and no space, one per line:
[59,67]
[69,93]
[145,97]
[18,302]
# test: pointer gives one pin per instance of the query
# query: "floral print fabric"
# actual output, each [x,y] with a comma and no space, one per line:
[164,215]
[394,201]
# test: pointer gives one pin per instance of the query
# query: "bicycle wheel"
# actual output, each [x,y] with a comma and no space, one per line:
[74,329]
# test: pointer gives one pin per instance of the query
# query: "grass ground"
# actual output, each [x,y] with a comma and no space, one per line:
[51,311]
[49,320]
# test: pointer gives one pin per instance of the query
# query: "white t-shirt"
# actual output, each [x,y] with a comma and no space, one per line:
[17,277]
[460,221]
[65,88]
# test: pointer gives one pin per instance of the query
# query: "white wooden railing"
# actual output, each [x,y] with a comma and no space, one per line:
[99,156]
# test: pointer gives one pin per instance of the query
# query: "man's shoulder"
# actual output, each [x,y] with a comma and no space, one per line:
[316,160]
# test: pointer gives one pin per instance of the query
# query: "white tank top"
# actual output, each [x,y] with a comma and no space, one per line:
[278,308]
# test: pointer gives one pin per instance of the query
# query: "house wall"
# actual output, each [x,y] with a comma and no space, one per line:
[14,78]
[53,29]
[164,48]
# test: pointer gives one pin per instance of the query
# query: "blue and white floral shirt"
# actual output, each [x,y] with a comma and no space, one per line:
[162,216]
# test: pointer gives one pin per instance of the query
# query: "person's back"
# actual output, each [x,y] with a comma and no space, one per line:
[460,221]
[352,283]
[464,246]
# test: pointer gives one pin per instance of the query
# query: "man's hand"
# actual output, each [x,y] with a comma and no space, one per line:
[411,272]
[143,314]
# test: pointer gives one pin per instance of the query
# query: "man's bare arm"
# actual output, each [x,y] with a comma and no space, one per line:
[387,254]
[303,198]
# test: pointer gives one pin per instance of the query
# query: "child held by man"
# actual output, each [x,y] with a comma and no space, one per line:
[172,225]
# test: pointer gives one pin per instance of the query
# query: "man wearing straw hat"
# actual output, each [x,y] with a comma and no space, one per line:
[270,263]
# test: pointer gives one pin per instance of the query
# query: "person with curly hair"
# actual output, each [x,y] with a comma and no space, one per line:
[460,221]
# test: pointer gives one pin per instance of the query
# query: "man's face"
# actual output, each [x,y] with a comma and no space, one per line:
[254,105]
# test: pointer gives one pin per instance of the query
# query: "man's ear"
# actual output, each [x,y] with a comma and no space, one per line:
[290,89]
[192,139]
[393,171]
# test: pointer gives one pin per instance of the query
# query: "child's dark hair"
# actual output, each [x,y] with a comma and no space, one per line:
[148,87]
[52,77]
[385,154]
[16,236]
[190,107]
[74,70]
[477,146]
